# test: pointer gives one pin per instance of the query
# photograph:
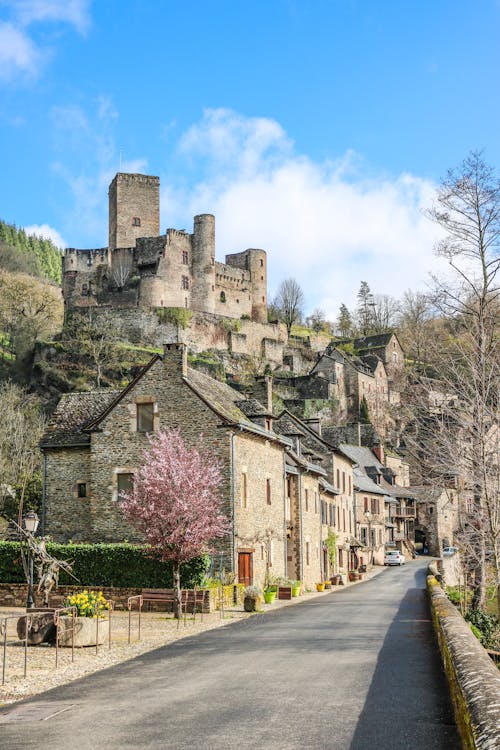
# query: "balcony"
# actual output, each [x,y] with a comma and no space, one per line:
[400,512]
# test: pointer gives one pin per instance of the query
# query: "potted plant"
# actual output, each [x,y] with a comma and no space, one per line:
[320,586]
[328,584]
[270,594]
[296,587]
[88,605]
[252,598]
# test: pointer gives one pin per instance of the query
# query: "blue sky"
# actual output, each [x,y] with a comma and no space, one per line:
[315,129]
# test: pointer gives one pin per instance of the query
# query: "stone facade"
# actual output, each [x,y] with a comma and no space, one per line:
[437,517]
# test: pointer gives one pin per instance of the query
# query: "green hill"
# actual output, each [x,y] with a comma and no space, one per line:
[27,253]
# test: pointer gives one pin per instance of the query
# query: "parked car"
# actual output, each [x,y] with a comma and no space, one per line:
[448,551]
[394,557]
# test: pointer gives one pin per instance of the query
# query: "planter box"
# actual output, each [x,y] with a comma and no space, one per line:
[284,592]
[85,631]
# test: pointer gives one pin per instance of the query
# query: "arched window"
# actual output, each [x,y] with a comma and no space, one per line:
[223,296]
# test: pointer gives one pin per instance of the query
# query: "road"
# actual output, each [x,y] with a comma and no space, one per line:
[354,670]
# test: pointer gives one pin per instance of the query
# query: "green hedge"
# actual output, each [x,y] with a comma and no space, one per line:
[122,565]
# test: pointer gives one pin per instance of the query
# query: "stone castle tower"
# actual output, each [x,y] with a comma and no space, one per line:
[134,209]
[142,268]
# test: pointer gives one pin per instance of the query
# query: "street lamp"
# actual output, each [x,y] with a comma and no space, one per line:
[30,523]
[368,517]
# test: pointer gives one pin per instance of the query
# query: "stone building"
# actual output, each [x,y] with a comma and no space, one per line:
[142,268]
[438,516]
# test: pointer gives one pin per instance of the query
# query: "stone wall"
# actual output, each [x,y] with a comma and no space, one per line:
[473,678]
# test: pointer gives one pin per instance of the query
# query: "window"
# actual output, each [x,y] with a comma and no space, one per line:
[124,483]
[223,296]
[306,499]
[244,490]
[136,222]
[365,501]
[308,553]
[363,536]
[324,512]
[268,491]
[334,515]
[350,486]
[343,518]
[315,502]
[343,482]
[338,478]
[81,489]
[185,257]
[185,282]
[261,262]
[85,290]
[145,417]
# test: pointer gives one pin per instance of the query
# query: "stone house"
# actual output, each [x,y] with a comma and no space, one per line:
[371,508]
[438,516]
[95,442]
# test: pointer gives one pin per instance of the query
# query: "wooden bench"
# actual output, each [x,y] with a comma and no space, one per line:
[192,600]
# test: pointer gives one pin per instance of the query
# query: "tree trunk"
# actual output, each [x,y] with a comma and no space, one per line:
[176,568]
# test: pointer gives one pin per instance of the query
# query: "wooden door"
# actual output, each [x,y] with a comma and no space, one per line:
[245,568]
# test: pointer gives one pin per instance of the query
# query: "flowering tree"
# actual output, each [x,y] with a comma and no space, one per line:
[175,502]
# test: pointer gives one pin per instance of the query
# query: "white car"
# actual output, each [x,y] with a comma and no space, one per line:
[394,557]
[448,551]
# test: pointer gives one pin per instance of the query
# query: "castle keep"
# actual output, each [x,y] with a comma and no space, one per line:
[142,268]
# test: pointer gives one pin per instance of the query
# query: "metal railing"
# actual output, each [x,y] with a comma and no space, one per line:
[59,618]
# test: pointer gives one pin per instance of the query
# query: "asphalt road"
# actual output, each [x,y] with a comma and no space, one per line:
[355,670]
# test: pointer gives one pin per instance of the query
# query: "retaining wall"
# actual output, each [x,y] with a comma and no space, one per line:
[473,678]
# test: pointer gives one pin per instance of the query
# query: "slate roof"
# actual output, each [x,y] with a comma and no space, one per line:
[373,342]
[252,408]
[365,484]
[366,459]
[73,412]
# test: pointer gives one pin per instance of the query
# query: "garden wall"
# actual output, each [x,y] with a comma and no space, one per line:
[473,678]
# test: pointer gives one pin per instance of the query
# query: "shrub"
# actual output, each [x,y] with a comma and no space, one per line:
[487,624]
[122,565]
[180,316]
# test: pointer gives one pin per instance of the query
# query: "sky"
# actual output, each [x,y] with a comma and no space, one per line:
[317,130]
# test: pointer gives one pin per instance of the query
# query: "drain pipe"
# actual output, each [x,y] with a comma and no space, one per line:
[44,492]
[233,511]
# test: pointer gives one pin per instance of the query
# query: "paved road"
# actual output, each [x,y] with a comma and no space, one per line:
[356,670]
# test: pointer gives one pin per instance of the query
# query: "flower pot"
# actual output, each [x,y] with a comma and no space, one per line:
[296,590]
[320,587]
[328,585]
[269,596]
[335,580]
[251,603]
[85,631]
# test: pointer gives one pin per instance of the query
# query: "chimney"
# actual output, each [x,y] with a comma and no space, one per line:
[378,449]
[263,391]
[175,359]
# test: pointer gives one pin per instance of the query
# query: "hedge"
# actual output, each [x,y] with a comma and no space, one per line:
[121,565]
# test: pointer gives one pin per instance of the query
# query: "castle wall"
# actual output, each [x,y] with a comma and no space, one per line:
[233,296]
[254,261]
[134,209]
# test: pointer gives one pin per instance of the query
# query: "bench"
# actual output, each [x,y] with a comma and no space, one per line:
[192,600]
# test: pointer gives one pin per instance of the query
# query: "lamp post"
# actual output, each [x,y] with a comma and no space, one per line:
[368,517]
[30,523]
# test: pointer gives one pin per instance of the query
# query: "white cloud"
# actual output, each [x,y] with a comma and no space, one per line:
[17,52]
[73,12]
[47,232]
[20,53]
[326,223]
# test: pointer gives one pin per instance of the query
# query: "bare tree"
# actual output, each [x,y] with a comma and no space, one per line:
[384,313]
[459,433]
[21,428]
[121,266]
[289,302]
[95,336]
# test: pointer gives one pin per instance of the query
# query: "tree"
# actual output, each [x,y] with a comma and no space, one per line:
[384,313]
[415,324]
[461,433]
[21,428]
[94,336]
[344,323]
[318,322]
[365,310]
[289,302]
[175,502]
[121,267]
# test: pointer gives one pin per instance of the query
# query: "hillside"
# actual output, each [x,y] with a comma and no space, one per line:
[27,253]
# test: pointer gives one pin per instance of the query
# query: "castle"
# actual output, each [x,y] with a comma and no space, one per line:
[142,268]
